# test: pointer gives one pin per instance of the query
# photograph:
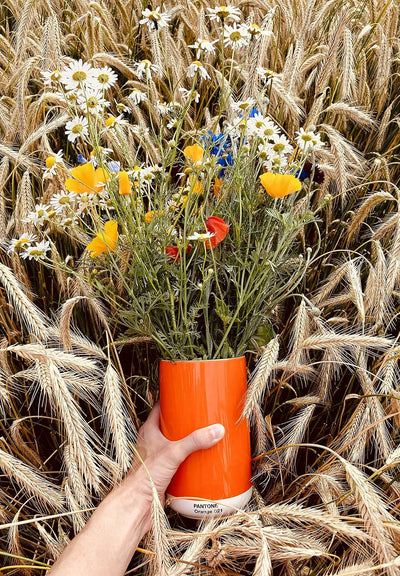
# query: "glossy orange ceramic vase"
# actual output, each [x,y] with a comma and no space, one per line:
[194,394]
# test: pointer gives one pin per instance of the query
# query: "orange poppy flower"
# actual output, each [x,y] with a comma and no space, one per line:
[194,153]
[104,241]
[125,186]
[86,180]
[280,185]
[217,227]
[218,182]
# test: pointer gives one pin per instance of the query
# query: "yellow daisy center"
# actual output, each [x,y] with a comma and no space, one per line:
[92,102]
[79,76]
[50,161]
[254,29]
[235,36]
[278,147]
[110,121]
[154,15]
[103,78]
[223,12]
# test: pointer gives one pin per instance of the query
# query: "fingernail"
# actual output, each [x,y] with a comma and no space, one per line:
[217,431]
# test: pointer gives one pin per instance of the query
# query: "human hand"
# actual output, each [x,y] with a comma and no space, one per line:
[108,541]
[161,458]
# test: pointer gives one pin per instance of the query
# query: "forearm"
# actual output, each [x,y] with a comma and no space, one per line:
[108,541]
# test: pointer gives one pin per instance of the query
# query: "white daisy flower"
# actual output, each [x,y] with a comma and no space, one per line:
[85,201]
[92,101]
[163,108]
[39,216]
[145,68]
[113,122]
[192,94]
[76,127]
[137,96]
[223,13]
[254,30]
[265,128]
[203,46]
[236,37]
[244,105]
[196,67]
[51,77]
[148,173]
[265,74]
[72,96]
[308,140]
[157,169]
[77,74]
[262,127]
[52,163]
[172,123]
[264,151]
[23,241]
[155,19]
[69,221]
[281,145]
[63,200]
[201,237]
[121,108]
[105,77]
[37,251]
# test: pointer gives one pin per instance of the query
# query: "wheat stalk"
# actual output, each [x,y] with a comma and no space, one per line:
[76,430]
[115,418]
[374,513]
[260,377]
[27,312]
[46,493]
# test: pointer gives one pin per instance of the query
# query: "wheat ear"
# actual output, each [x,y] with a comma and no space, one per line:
[26,311]
[260,377]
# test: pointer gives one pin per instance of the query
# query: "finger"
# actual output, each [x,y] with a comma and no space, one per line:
[149,434]
[153,420]
[198,440]
[154,416]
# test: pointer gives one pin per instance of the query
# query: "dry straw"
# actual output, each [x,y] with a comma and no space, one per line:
[335,67]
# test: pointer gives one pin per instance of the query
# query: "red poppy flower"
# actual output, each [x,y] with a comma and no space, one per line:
[173,252]
[217,227]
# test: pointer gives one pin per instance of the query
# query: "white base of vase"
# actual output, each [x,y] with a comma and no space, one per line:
[205,508]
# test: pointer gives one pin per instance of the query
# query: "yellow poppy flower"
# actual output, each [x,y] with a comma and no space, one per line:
[148,217]
[280,185]
[86,180]
[125,186]
[194,153]
[196,186]
[104,241]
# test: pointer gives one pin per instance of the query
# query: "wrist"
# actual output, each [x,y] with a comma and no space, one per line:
[130,502]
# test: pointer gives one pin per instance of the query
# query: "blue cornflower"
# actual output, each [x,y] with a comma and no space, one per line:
[114,166]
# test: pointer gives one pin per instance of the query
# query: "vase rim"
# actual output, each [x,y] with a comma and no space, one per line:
[202,360]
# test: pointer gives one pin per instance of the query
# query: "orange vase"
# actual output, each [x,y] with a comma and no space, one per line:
[194,394]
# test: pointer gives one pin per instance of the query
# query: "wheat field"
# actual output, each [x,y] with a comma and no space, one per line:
[323,400]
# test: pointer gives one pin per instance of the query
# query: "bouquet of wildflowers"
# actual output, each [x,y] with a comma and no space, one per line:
[192,233]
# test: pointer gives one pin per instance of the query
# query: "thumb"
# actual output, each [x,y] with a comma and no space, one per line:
[200,439]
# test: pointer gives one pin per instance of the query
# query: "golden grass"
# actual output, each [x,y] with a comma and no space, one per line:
[329,379]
